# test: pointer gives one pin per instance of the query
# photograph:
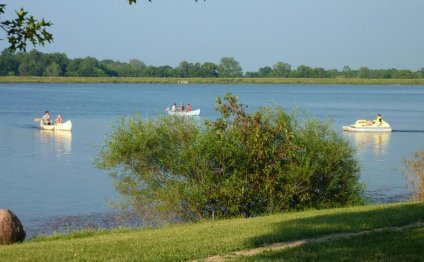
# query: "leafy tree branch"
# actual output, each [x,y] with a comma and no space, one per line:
[24,28]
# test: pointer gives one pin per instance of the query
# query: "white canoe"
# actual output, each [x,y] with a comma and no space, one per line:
[185,113]
[64,126]
[368,126]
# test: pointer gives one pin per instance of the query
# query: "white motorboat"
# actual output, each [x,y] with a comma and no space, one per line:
[368,126]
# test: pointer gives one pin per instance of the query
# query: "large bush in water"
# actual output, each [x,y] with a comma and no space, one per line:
[241,164]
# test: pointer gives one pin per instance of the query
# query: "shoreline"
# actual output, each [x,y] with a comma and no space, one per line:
[62,224]
[108,220]
[371,232]
[188,81]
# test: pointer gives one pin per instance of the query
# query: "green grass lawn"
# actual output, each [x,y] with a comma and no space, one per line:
[174,80]
[405,245]
[204,239]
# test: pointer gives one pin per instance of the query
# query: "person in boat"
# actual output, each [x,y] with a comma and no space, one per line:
[59,119]
[188,109]
[379,120]
[46,118]
[174,107]
[182,107]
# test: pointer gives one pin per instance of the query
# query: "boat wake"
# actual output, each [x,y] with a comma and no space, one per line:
[408,131]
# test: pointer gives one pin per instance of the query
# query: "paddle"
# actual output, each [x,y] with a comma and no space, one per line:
[37,119]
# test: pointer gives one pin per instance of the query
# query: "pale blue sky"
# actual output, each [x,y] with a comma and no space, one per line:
[257,33]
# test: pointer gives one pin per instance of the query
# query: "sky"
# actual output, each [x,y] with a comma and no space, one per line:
[319,33]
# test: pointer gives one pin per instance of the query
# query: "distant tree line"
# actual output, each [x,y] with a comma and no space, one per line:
[35,63]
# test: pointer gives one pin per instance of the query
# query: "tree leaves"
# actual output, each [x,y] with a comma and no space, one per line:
[25,28]
[241,164]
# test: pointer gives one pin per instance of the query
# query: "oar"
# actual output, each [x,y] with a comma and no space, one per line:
[37,119]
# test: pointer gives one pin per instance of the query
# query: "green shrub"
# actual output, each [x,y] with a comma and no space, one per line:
[241,164]
[414,172]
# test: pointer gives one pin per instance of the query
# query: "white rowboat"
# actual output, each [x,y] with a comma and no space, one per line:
[185,113]
[368,126]
[64,126]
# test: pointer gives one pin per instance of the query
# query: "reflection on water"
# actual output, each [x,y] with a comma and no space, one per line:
[58,141]
[376,142]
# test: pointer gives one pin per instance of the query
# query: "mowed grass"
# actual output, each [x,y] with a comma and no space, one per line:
[405,245]
[175,80]
[204,239]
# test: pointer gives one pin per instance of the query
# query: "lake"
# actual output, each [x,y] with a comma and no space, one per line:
[46,174]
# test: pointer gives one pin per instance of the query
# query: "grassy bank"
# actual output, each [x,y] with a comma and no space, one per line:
[404,245]
[158,80]
[201,240]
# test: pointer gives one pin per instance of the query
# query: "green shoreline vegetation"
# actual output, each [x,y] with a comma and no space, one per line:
[227,71]
[178,80]
[208,238]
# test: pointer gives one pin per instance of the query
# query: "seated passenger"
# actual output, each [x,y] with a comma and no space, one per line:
[59,119]
[46,118]
[379,120]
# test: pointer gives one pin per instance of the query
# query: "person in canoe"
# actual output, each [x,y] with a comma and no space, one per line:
[46,118]
[174,107]
[188,108]
[59,119]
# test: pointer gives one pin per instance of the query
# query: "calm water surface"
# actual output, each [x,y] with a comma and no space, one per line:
[46,174]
